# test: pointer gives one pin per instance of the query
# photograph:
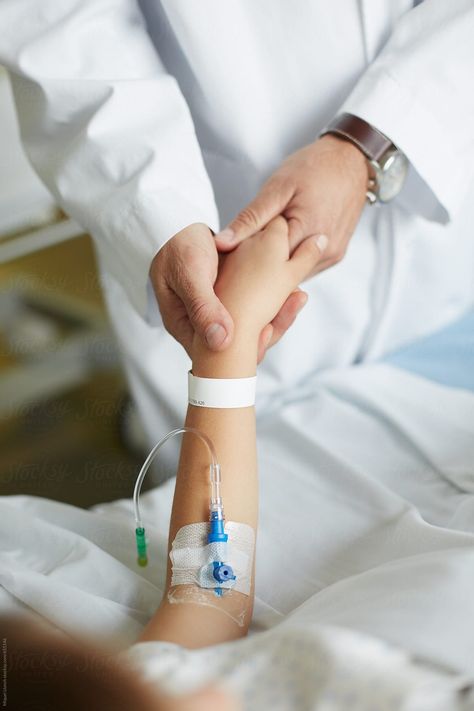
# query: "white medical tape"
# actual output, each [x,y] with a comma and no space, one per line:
[192,557]
[221,392]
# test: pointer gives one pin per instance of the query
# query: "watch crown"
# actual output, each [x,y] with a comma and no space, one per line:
[371,193]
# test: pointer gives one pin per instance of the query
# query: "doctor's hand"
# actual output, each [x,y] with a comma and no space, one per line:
[320,190]
[183,274]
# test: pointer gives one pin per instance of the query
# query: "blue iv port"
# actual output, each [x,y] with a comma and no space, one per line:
[223,572]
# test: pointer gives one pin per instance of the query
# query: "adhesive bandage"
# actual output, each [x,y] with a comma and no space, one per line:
[217,574]
[221,392]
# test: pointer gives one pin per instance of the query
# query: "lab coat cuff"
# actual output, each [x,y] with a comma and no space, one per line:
[434,187]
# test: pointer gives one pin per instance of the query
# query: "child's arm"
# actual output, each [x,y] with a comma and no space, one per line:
[232,432]
[247,287]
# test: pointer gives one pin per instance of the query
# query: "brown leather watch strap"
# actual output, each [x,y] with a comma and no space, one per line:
[371,142]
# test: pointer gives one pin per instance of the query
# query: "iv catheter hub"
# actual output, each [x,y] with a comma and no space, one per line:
[217,532]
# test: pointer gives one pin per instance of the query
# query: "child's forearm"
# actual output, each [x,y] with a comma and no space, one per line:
[232,432]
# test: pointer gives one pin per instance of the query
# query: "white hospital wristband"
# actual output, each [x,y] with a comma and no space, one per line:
[221,392]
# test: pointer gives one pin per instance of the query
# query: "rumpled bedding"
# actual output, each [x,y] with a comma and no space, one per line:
[365,554]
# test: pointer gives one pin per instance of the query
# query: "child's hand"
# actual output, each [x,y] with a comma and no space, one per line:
[255,279]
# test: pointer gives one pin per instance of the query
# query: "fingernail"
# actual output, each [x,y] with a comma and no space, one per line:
[215,335]
[226,235]
[321,242]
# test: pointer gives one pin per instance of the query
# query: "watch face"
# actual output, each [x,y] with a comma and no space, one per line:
[391,175]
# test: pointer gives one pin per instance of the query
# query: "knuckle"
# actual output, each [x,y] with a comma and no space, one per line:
[336,254]
[277,228]
[313,251]
[295,232]
[198,310]
[296,223]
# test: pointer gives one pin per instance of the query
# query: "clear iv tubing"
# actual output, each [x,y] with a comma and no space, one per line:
[216,508]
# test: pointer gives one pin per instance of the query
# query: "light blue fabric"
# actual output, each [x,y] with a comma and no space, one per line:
[447,356]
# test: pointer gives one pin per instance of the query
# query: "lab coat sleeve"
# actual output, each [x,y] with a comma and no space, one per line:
[419,91]
[106,128]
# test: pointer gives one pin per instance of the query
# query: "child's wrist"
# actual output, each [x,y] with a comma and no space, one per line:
[238,360]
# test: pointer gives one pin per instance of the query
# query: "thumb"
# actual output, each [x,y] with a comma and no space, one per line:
[307,255]
[270,202]
[207,314]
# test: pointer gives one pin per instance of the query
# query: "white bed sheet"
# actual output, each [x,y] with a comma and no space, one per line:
[367,508]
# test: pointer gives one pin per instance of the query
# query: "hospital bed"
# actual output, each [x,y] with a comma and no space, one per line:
[365,554]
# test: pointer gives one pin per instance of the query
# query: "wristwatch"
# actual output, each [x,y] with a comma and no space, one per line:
[388,166]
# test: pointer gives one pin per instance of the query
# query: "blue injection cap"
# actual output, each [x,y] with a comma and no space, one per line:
[223,572]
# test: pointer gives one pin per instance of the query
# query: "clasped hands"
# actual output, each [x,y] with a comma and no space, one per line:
[205,283]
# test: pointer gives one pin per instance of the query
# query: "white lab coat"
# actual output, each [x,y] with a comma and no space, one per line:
[140,130]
